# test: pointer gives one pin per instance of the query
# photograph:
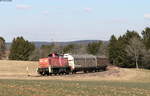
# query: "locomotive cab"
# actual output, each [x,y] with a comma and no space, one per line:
[70,60]
[53,64]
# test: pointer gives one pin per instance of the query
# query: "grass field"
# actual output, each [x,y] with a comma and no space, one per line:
[10,67]
[72,88]
[115,82]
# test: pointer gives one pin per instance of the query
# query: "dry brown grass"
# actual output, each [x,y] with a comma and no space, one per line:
[17,70]
[10,67]
[114,82]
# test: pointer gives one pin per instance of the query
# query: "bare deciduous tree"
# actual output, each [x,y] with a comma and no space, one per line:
[135,48]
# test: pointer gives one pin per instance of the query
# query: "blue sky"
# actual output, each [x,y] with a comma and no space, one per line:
[69,20]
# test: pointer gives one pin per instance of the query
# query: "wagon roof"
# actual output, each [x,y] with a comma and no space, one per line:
[88,56]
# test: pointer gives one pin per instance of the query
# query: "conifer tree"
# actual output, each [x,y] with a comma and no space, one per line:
[2,47]
[93,48]
[112,49]
[146,37]
[21,49]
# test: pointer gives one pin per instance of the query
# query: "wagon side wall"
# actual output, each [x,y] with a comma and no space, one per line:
[102,61]
[85,62]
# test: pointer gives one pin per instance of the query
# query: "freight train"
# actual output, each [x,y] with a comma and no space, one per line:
[70,64]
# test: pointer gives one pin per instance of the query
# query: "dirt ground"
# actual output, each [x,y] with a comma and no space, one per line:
[21,70]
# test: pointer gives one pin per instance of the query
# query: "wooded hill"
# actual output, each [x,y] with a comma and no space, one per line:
[38,44]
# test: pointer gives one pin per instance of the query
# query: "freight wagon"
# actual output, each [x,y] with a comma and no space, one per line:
[66,63]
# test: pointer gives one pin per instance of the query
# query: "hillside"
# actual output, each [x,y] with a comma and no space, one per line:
[38,44]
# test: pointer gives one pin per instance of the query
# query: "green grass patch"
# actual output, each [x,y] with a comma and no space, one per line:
[72,88]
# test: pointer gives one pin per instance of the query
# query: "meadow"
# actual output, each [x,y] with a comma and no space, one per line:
[72,88]
[114,82]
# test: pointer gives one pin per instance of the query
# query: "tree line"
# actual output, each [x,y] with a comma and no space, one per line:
[129,50]
[22,49]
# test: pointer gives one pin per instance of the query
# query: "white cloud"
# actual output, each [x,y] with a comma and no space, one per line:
[147,16]
[87,9]
[23,6]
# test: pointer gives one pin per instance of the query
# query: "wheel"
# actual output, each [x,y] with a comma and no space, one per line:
[85,71]
[50,74]
[55,73]
[43,74]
